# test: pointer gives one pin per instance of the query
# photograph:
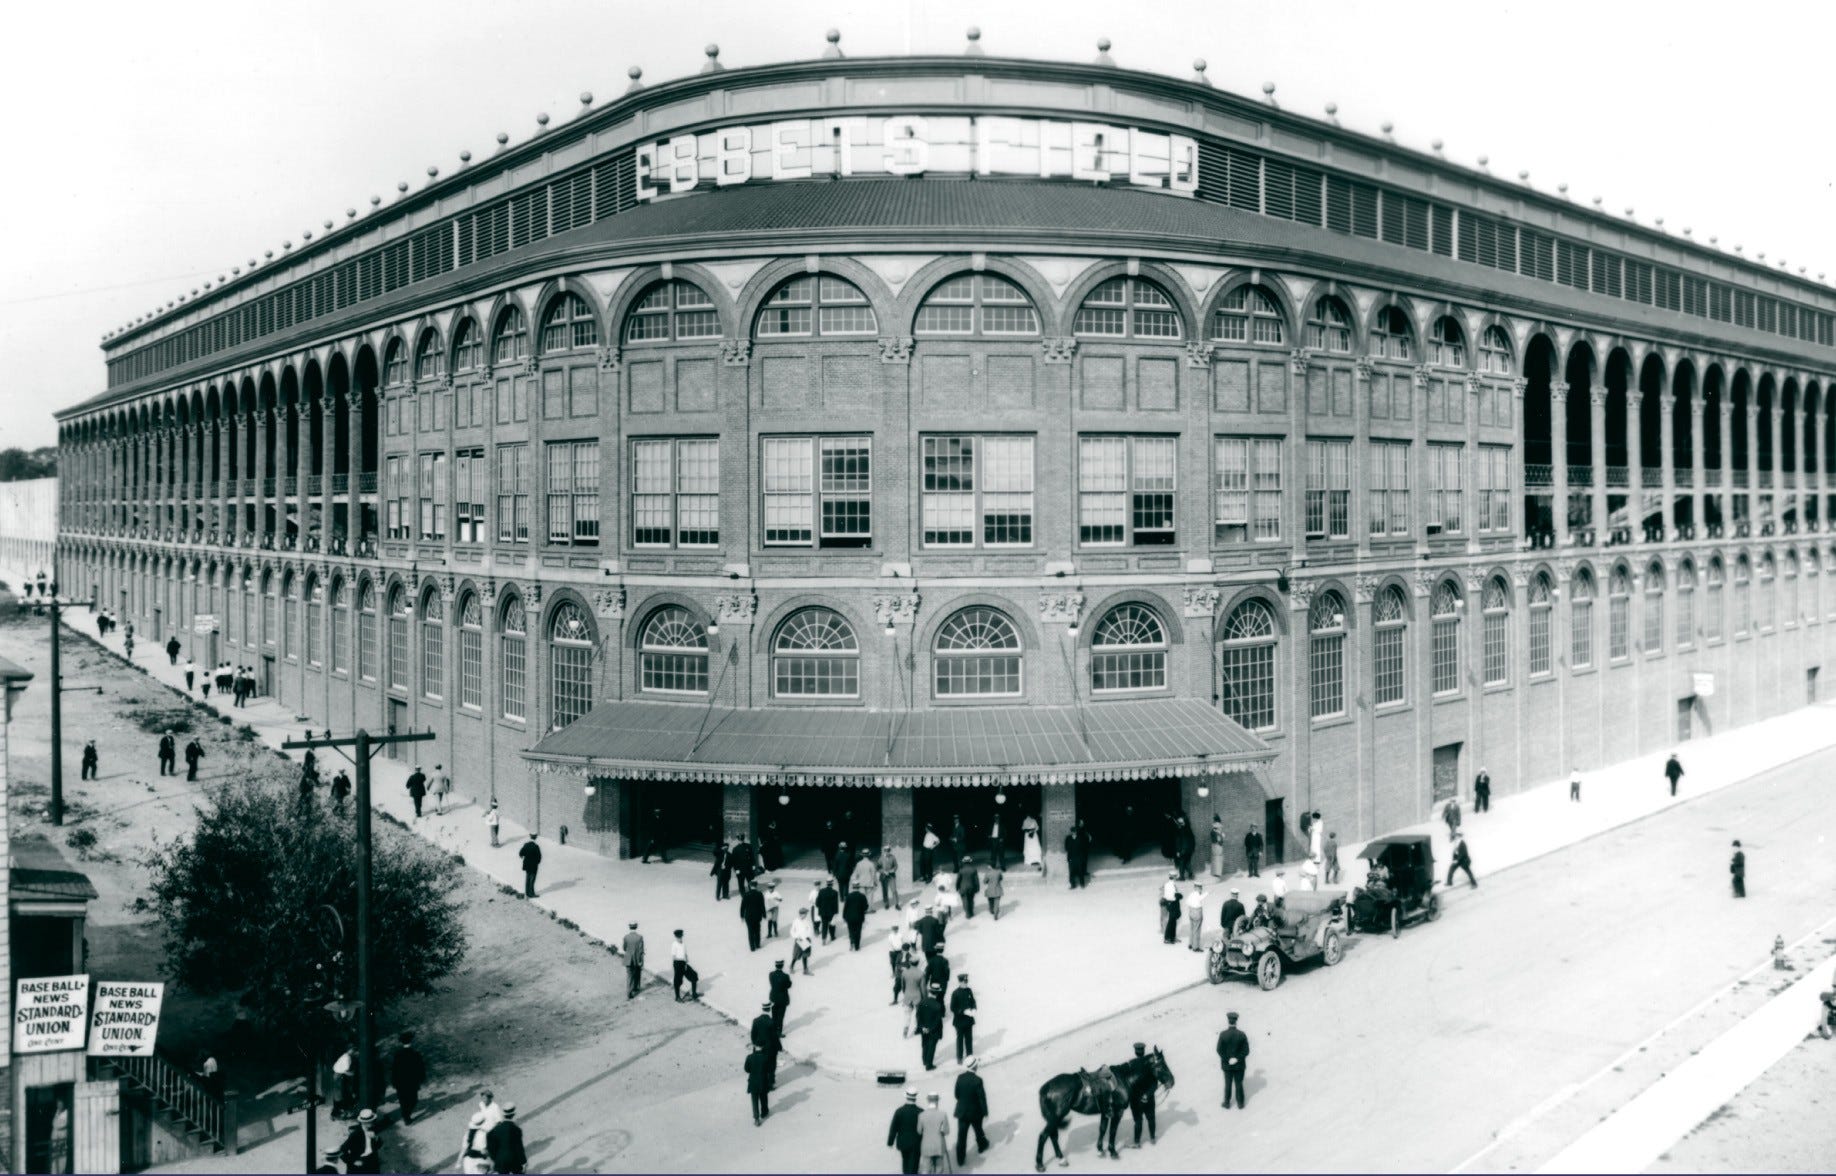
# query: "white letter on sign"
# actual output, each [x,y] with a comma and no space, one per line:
[733,158]
[907,151]
[682,162]
[787,140]
[646,159]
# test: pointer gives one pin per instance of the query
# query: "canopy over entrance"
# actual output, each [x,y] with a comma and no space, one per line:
[945,747]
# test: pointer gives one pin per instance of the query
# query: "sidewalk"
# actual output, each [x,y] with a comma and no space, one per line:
[1050,940]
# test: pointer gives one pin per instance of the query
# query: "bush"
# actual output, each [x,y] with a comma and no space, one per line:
[157,720]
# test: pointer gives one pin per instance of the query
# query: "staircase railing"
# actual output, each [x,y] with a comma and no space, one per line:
[181,1094]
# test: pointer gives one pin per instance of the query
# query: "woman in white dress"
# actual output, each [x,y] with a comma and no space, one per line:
[1029,834]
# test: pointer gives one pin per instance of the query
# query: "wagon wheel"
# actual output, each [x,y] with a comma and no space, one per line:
[1434,908]
[1395,921]
[1333,951]
[1268,970]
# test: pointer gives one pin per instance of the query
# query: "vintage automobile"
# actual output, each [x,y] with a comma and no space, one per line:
[1400,888]
[1310,924]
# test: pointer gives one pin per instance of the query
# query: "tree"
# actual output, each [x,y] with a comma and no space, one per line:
[246,900]
[17,465]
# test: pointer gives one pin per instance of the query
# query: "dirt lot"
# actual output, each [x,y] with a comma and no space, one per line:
[1778,1124]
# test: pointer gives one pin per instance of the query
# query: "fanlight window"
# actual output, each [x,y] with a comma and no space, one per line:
[429,359]
[570,650]
[1391,335]
[568,324]
[1123,308]
[1495,351]
[1249,314]
[1326,656]
[468,348]
[673,653]
[1246,666]
[816,655]
[976,304]
[1390,619]
[824,305]
[977,653]
[1128,651]
[510,342]
[1449,343]
[1329,328]
[395,364]
[672,310]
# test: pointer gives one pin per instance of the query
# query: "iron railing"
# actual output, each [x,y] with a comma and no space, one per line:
[180,1094]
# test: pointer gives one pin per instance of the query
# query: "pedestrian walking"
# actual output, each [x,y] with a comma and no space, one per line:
[344,1073]
[1450,813]
[633,947]
[191,674]
[1673,771]
[937,974]
[683,970]
[531,854]
[930,1027]
[492,817]
[1171,901]
[474,1154]
[1184,846]
[828,905]
[1141,1103]
[854,914]
[1032,849]
[504,1142]
[360,1152]
[765,1039]
[1077,855]
[1217,845]
[91,760]
[1482,791]
[934,1132]
[1737,868]
[866,874]
[1229,913]
[1252,849]
[340,791]
[442,788]
[1574,785]
[752,913]
[407,1073]
[962,1017]
[773,901]
[308,782]
[780,983]
[841,865]
[492,1110]
[743,860]
[895,956]
[930,932]
[1310,874]
[889,879]
[194,751]
[328,1161]
[927,852]
[997,842]
[911,989]
[971,1110]
[994,888]
[758,1085]
[803,939]
[968,884]
[417,788]
[168,754]
[1195,917]
[127,645]
[722,873]
[1461,860]
[172,652]
[1332,858]
[1233,1055]
[959,842]
[904,1133]
[1316,837]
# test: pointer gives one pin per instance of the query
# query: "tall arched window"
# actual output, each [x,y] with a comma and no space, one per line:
[1391,621]
[1619,614]
[1743,597]
[433,645]
[1127,308]
[471,653]
[1495,352]
[340,622]
[568,324]
[672,310]
[1654,607]
[1128,651]
[514,661]
[673,653]
[1541,604]
[1444,637]
[813,305]
[290,617]
[815,655]
[267,608]
[570,660]
[1249,314]
[1813,587]
[1246,666]
[1329,327]
[1711,619]
[366,631]
[1768,594]
[398,639]
[315,618]
[1495,606]
[510,339]
[1391,335]
[1326,656]
[1447,347]
[395,363]
[976,654]
[1791,588]
[468,348]
[972,304]
[429,359]
[1686,604]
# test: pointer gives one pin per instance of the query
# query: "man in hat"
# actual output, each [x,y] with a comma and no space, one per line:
[968,884]
[828,905]
[1233,1055]
[328,1163]
[1260,916]
[1077,855]
[417,789]
[359,1152]
[408,1073]
[633,948]
[1230,912]
[1482,791]
[505,1143]
[1738,869]
[971,1110]
[1170,900]
[934,1133]
[1279,887]
[744,859]
[1252,850]
[903,1134]
[937,973]
[1141,1103]
[168,754]
[773,903]
[930,1026]
[803,939]
[722,872]
[530,853]
[994,887]
[765,1039]
[1461,860]
[90,760]
[865,874]
[683,970]
[854,913]
[930,932]
[1673,771]
[841,866]
[889,879]
[194,751]
[752,910]
[758,1084]
[1195,916]
[962,1017]
[780,982]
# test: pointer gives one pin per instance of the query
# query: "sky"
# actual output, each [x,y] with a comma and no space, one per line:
[156,145]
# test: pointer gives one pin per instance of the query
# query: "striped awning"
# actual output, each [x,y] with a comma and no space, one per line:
[944,747]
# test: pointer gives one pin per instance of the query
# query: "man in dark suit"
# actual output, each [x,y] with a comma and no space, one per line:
[854,915]
[968,884]
[903,1134]
[194,751]
[780,998]
[930,933]
[841,864]
[722,871]
[1233,1056]
[1482,791]
[743,859]
[765,1038]
[168,754]
[531,855]
[758,1085]
[1141,1103]
[1230,912]
[930,1027]
[962,1017]
[752,909]
[1673,771]
[937,974]
[1252,849]
[971,1111]
[1461,860]
[408,1072]
[1738,869]
[1077,855]
[505,1143]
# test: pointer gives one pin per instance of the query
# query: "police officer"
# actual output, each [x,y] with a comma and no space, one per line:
[1141,1103]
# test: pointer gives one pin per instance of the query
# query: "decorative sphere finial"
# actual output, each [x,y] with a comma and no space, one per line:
[586,97]
[432,171]
[1388,126]
[401,185]
[465,157]
[833,36]
[542,119]
[1523,174]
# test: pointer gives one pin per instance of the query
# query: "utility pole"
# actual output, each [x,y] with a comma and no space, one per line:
[47,601]
[364,747]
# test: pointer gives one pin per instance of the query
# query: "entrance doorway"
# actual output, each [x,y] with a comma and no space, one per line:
[1129,819]
[1685,708]
[267,675]
[50,1127]
[1274,830]
[808,830]
[671,816]
[939,807]
[210,656]
[1446,784]
[1810,685]
[398,722]
[158,615]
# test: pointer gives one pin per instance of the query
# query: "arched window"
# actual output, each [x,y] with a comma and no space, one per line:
[1391,335]
[510,341]
[429,359]
[1495,352]
[1391,621]
[815,655]
[1127,308]
[1541,603]
[290,617]
[1495,606]
[673,653]
[398,640]
[1329,327]
[1128,651]
[813,305]
[567,324]
[335,639]
[1447,347]
[1619,615]
[1711,620]
[471,653]
[395,364]
[468,348]
[570,661]
[1791,588]
[315,618]
[1246,666]
[236,624]
[1249,314]
[972,304]
[1444,637]
[433,645]
[514,647]
[976,654]
[1686,604]
[1768,596]
[1326,656]
[1813,587]
[1654,608]
[366,631]
[673,310]
[267,608]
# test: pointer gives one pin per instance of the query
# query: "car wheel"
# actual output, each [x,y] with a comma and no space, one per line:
[1334,951]
[1395,921]
[1268,970]
[1434,908]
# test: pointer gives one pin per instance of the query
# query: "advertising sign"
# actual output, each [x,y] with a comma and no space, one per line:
[126,1019]
[1705,685]
[204,623]
[50,1013]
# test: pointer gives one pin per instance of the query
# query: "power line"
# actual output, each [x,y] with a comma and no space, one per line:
[103,289]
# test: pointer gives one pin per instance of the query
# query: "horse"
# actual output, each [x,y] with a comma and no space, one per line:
[1105,1092]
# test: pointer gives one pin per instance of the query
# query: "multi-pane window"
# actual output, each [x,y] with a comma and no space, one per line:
[1125,491]
[675,493]
[1447,344]
[1686,605]
[336,638]
[1541,607]
[1390,617]
[1329,489]
[267,609]
[366,631]
[1127,308]
[816,306]
[1389,489]
[1391,335]
[1444,637]
[1654,608]
[514,647]
[818,491]
[1495,352]
[672,310]
[432,485]
[398,484]
[1711,619]
[510,341]
[1128,651]
[1329,327]
[429,357]
[398,640]
[1249,314]
[1495,607]
[971,304]
[1246,489]
[315,616]
[976,654]
[1494,471]
[290,618]
[1246,666]
[1743,597]
[977,486]
[469,488]
[1444,484]
[1768,598]
[395,364]
[1581,620]
[471,653]
[568,324]
[573,492]
[1619,615]
[570,662]
[673,653]
[815,655]
[1326,656]
[1813,588]
[433,645]
[513,493]
[1791,588]
[468,347]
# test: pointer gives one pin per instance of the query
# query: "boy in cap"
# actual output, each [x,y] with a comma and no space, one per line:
[773,900]
[803,939]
